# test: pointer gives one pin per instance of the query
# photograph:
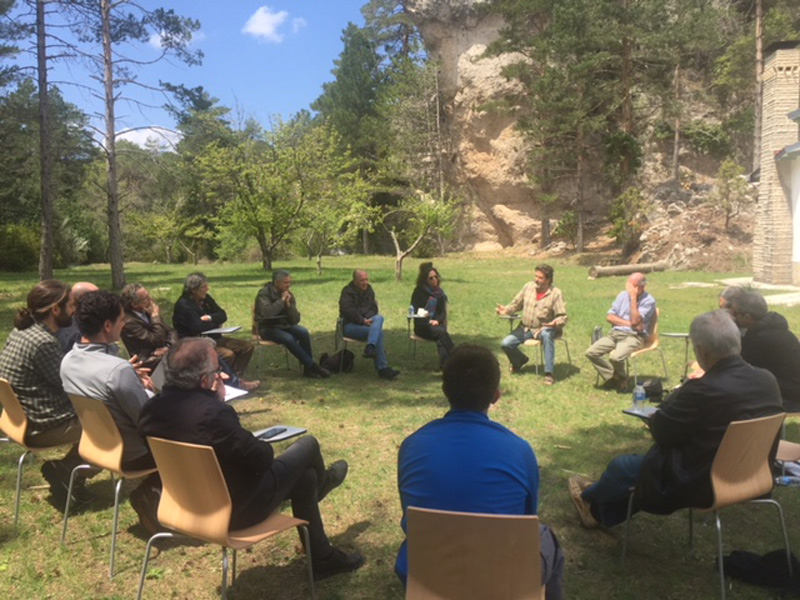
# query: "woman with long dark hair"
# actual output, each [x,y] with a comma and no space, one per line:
[430,297]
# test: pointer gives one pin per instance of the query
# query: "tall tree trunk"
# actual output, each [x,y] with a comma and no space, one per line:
[579,198]
[759,78]
[319,263]
[676,140]
[365,241]
[114,228]
[627,99]
[45,146]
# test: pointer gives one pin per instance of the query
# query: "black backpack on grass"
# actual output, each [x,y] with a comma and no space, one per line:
[342,361]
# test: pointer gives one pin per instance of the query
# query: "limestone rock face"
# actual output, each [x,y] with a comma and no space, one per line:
[489,154]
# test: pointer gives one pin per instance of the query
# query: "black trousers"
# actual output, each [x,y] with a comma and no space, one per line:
[295,475]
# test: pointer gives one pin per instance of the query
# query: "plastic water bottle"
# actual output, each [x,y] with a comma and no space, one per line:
[410,311]
[639,397]
[788,480]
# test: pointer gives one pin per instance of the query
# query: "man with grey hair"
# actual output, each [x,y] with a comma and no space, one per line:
[196,312]
[687,430]
[632,317]
[145,334]
[727,295]
[191,409]
[768,343]
[278,320]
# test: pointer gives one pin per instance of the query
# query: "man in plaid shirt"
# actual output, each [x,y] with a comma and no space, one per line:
[544,314]
[30,362]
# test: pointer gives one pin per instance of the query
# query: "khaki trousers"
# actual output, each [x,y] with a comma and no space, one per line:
[619,345]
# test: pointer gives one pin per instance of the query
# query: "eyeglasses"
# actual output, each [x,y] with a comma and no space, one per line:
[432,277]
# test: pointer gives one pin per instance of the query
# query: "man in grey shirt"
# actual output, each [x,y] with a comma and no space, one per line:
[93,369]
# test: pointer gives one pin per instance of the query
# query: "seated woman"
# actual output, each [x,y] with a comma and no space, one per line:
[429,296]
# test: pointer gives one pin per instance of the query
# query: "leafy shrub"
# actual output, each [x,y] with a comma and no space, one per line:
[627,217]
[19,248]
[567,228]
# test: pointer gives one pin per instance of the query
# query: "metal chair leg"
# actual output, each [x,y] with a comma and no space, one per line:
[224,573]
[627,528]
[307,540]
[117,488]
[719,555]
[20,468]
[163,534]
[783,529]
[69,498]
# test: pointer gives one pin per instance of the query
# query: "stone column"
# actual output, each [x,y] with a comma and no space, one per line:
[772,244]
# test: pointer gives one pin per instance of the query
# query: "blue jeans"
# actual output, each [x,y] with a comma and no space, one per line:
[372,334]
[296,339]
[516,338]
[609,495]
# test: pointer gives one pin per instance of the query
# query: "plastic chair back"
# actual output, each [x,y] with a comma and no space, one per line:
[101,442]
[741,469]
[472,556]
[652,341]
[194,501]
[13,420]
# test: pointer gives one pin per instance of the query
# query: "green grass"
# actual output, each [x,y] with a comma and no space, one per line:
[573,427]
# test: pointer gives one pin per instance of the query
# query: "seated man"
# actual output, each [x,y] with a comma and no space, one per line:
[196,312]
[30,362]
[632,317]
[191,409]
[768,343]
[93,369]
[145,334]
[358,310]
[67,336]
[544,315]
[279,321]
[687,430]
[469,463]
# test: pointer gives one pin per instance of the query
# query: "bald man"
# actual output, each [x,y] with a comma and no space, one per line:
[67,336]
[632,317]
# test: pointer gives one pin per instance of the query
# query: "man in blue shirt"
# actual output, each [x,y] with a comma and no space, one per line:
[632,318]
[466,462]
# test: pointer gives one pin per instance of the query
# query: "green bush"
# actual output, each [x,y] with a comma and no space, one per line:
[19,248]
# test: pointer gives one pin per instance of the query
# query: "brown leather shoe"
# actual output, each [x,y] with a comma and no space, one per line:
[576,484]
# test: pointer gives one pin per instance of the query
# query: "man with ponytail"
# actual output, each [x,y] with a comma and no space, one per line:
[30,362]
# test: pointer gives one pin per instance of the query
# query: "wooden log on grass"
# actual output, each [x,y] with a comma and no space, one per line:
[598,271]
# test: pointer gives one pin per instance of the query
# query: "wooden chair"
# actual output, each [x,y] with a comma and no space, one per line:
[741,472]
[14,423]
[651,345]
[472,556]
[339,336]
[413,338]
[261,342]
[101,446]
[559,338]
[195,503]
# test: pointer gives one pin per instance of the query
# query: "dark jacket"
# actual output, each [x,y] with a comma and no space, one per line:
[419,299]
[770,345]
[272,312]
[355,306]
[187,312]
[199,417]
[688,429]
[143,337]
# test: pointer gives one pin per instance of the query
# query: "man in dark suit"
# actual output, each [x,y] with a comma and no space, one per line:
[768,343]
[687,430]
[196,312]
[145,334]
[191,409]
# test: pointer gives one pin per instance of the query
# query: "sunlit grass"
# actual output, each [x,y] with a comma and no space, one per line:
[572,426]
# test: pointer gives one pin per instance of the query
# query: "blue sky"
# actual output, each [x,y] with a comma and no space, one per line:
[261,59]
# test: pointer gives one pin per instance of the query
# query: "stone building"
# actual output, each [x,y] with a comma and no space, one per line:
[776,244]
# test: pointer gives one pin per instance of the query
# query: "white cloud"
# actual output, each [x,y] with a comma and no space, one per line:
[264,24]
[165,138]
[298,24]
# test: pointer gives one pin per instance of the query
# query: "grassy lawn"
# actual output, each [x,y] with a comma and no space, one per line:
[573,428]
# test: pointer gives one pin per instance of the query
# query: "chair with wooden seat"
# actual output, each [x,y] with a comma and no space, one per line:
[473,556]
[652,344]
[535,342]
[195,503]
[413,338]
[339,337]
[741,472]
[101,446]
[14,423]
[261,342]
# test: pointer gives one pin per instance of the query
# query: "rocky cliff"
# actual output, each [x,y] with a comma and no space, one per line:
[488,159]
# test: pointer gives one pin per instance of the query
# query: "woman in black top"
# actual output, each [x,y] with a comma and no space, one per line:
[429,296]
